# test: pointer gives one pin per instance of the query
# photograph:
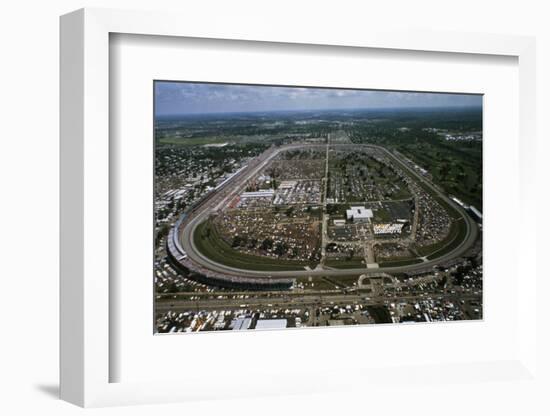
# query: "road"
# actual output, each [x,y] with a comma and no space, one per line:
[324,203]
[315,301]
[237,183]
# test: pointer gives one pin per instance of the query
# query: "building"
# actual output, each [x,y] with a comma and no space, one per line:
[358,214]
[459,202]
[265,193]
[339,223]
[387,228]
[271,324]
[241,324]
[287,185]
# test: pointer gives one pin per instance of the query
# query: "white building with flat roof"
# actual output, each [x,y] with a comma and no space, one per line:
[358,214]
[264,193]
[271,323]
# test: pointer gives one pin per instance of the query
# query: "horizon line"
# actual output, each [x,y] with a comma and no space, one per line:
[318,109]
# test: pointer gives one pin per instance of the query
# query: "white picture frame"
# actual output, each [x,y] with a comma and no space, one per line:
[85,177]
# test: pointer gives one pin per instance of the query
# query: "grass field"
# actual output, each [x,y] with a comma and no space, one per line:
[209,243]
[348,281]
[380,314]
[202,140]
[399,263]
[354,263]
[381,215]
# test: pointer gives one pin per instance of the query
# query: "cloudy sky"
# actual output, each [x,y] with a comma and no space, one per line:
[197,98]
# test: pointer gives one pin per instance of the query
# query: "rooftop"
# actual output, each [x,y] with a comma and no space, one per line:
[359,213]
[271,324]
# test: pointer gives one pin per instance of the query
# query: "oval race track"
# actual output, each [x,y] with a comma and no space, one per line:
[184,235]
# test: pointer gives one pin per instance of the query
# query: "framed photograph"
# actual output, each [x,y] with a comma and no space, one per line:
[241,208]
[297,207]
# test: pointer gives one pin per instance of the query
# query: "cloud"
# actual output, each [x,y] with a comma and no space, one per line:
[188,97]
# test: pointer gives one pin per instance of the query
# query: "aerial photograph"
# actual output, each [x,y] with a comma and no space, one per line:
[300,207]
